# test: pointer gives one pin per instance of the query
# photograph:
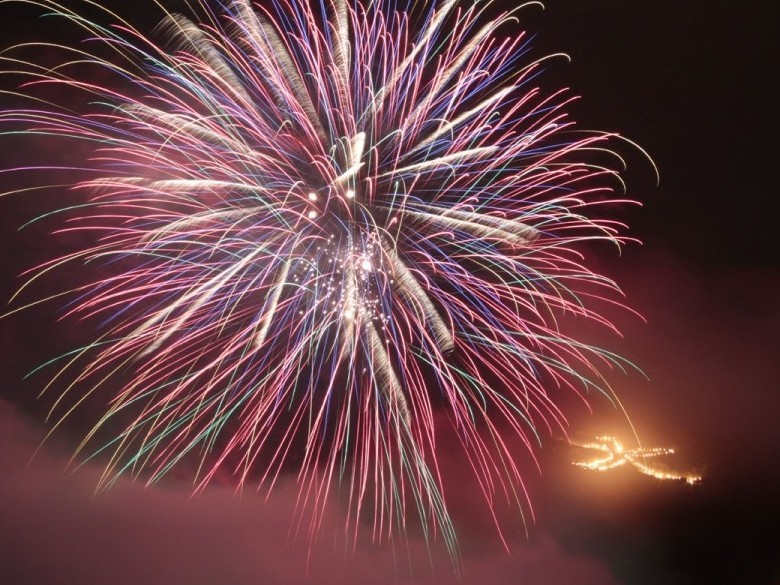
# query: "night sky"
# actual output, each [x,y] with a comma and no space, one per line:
[688,81]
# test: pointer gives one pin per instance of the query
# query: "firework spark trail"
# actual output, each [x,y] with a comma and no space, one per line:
[337,223]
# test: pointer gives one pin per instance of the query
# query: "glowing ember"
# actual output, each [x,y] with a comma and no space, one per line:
[613,454]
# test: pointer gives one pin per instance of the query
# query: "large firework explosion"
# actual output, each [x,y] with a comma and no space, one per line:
[327,230]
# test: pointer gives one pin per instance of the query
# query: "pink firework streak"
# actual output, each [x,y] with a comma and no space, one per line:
[337,231]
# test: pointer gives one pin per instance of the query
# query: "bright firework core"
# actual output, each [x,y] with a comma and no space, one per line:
[342,231]
[343,281]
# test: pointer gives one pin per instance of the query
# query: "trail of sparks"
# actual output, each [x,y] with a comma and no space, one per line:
[613,454]
[337,230]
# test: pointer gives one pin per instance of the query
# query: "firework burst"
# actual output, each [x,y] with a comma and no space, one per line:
[338,225]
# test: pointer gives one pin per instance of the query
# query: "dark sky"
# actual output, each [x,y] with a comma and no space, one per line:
[691,83]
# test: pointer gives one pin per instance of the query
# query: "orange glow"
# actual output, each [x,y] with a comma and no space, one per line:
[612,454]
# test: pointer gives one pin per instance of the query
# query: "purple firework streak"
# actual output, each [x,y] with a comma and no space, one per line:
[339,227]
